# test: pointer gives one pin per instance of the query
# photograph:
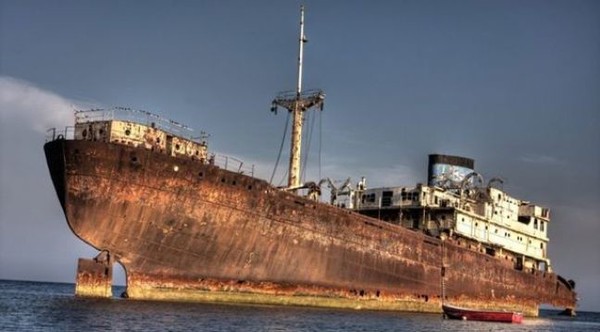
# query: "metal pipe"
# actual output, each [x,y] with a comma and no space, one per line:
[298,116]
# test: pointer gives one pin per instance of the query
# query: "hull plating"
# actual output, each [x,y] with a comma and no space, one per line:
[190,231]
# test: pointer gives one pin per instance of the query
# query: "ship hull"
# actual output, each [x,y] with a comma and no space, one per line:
[185,230]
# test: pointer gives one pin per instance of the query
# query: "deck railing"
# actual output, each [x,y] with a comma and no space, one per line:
[226,162]
[232,164]
[139,116]
[54,134]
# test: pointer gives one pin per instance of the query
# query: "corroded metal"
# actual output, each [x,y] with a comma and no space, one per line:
[94,278]
[187,230]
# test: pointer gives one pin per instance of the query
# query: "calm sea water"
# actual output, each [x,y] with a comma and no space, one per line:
[37,306]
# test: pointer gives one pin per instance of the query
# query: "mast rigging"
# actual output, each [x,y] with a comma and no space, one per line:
[297,103]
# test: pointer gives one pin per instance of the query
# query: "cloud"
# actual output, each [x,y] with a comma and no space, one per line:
[541,159]
[35,241]
[22,100]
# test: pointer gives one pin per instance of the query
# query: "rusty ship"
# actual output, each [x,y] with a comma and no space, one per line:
[189,225]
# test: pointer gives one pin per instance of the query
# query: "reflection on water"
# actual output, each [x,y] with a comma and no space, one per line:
[31,306]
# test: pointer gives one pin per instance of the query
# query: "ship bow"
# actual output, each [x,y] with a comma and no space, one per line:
[55,157]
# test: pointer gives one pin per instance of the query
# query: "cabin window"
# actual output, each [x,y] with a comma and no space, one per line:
[370,198]
[386,198]
[545,213]
[541,226]
[535,224]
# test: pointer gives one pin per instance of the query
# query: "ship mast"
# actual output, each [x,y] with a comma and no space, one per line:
[297,103]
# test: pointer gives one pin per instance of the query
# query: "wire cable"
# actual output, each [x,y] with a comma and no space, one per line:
[309,140]
[287,122]
[320,142]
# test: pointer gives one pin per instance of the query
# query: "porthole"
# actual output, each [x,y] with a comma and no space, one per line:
[177,147]
[201,174]
[127,132]
[223,180]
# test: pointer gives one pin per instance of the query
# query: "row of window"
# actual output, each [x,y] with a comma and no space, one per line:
[507,234]
[413,196]
[506,199]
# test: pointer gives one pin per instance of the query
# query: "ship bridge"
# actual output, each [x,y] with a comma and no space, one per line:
[456,204]
[143,129]
[504,222]
[139,129]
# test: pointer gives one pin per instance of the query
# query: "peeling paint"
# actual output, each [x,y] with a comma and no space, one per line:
[225,236]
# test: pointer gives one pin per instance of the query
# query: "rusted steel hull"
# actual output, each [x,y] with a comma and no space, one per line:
[184,230]
[94,278]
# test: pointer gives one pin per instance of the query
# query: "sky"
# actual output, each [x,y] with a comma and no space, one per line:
[514,85]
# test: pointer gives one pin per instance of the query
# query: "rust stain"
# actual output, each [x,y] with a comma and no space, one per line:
[200,231]
[94,278]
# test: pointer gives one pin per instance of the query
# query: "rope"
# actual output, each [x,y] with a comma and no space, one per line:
[320,136]
[287,122]
[284,177]
[309,139]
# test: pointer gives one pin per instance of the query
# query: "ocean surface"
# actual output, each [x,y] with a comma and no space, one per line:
[39,306]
